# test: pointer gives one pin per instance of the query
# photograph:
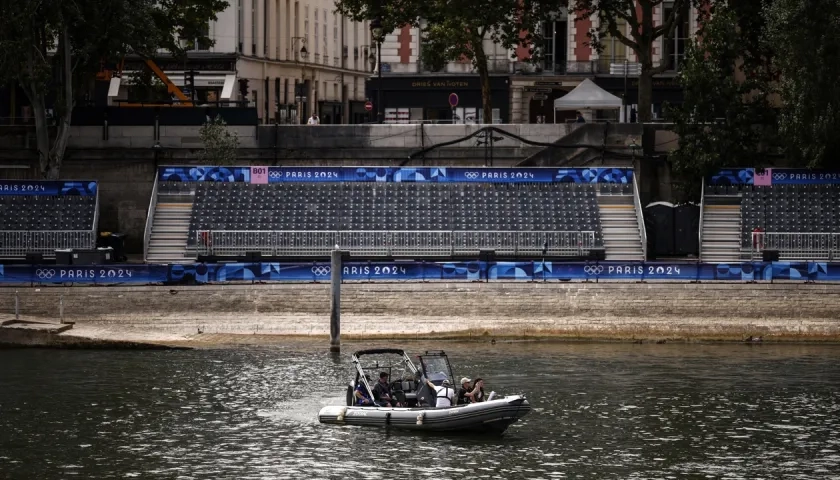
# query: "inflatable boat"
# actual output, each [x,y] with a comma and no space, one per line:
[409,388]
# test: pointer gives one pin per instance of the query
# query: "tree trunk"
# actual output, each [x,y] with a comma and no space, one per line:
[484,76]
[56,157]
[645,95]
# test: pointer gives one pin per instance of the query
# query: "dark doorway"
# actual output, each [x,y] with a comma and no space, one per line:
[542,111]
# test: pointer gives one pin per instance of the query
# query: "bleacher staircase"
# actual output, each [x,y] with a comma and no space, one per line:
[170,228]
[622,239]
[721,238]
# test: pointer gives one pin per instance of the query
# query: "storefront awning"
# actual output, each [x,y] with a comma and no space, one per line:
[587,96]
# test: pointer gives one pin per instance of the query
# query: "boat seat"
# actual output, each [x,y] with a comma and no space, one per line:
[409,386]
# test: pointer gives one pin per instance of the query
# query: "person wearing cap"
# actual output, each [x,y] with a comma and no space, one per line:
[465,393]
[444,393]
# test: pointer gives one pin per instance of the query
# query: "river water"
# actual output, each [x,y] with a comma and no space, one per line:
[601,411]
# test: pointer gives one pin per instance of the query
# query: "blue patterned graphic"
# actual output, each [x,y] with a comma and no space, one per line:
[204,174]
[733,176]
[401,174]
[778,176]
[85,188]
[535,270]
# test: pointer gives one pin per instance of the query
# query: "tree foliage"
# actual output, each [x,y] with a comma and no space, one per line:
[645,33]
[450,31]
[804,35]
[726,119]
[220,144]
[53,48]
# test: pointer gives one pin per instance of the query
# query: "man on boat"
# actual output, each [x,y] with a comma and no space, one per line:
[382,391]
[444,393]
[465,393]
[362,396]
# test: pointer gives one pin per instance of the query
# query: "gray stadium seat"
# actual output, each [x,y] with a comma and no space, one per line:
[458,207]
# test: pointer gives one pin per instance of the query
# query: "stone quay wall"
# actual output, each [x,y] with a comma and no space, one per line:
[603,311]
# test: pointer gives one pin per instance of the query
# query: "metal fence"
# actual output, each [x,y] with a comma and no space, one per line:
[796,246]
[392,243]
[17,243]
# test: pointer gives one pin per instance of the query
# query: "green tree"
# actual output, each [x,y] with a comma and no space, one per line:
[726,119]
[220,144]
[804,35]
[53,48]
[645,34]
[452,31]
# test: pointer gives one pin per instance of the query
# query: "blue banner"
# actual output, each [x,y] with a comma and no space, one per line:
[535,270]
[204,174]
[793,176]
[48,187]
[399,174]
[96,274]
[774,176]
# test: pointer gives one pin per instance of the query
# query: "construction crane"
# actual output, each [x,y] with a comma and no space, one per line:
[106,74]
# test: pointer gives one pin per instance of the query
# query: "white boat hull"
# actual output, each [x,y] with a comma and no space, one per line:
[491,416]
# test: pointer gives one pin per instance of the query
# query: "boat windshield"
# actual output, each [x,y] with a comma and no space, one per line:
[436,368]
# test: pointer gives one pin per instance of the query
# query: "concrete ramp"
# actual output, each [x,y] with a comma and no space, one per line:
[588,142]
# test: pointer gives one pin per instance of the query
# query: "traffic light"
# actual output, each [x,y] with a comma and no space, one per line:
[190,84]
[243,88]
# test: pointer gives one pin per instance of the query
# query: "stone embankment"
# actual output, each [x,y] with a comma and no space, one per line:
[606,311]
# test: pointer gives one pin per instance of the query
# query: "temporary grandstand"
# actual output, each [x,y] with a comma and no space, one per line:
[785,212]
[436,213]
[40,217]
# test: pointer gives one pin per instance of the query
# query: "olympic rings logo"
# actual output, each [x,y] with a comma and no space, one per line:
[779,176]
[274,174]
[471,175]
[44,273]
[321,271]
[593,269]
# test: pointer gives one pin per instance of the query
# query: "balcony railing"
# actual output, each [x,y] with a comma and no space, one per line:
[442,243]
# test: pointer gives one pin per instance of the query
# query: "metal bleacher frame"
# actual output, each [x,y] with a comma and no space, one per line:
[319,243]
[16,244]
[387,213]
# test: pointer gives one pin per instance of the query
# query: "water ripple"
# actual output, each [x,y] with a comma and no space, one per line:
[601,411]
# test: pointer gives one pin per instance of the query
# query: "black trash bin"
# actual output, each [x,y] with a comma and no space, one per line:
[113,240]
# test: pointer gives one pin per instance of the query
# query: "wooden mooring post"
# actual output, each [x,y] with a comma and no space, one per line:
[17,305]
[336,259]
[61,308]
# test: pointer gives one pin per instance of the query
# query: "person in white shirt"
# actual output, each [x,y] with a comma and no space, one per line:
[313,120]
[444,393]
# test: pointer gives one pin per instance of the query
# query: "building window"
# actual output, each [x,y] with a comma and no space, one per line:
[326,58]
[339,55]
[306,24]
[253,28]
[614,51]
[673,52]
[317,25]
[240,30]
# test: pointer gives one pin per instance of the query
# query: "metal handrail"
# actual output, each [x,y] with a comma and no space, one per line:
[17,243]
[382,242]
[95,226]
[640,217]
[796,245]
[700,230]
[147,233]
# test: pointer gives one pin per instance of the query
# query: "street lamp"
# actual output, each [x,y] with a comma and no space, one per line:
[303,52]
[376,32]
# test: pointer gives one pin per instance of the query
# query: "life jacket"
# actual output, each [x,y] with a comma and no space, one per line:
[445,391]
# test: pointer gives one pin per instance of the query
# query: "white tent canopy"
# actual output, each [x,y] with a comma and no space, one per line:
[587,96]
